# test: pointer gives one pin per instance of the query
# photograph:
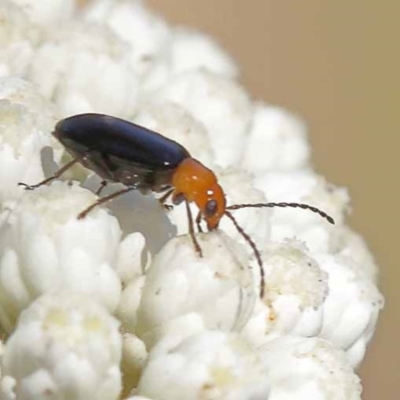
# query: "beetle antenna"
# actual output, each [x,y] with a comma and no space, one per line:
[293,205]
[255,250]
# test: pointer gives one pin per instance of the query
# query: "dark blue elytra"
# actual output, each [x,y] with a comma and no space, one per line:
[121,151]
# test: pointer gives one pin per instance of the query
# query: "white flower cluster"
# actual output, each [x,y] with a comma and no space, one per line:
[117,305]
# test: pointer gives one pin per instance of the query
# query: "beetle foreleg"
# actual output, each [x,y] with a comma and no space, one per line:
[103,184]
[164,198]
[191,230]
[198,220]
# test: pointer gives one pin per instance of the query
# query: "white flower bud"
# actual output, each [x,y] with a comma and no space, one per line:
[25,130]
[277,141]
[219,103]
[44,12]
[65,346]
[25,94]
[348,243]
[210,365]
[131,255]
[217,286]
[134,356]
[191,50]
[303,187]
[187,50]
[46,249]
[84,68]
[295,291]
[145,33]
[18,39]
[308,368]
[352,307]
[129,303]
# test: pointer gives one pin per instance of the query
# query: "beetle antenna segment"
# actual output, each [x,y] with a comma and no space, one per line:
[255,250]
[105,199]
[293,205]
[191,230]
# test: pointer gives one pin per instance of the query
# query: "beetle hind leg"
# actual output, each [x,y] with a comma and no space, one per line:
[56,175]
[105,199]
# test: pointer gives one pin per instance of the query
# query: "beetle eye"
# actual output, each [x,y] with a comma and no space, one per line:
[211,208]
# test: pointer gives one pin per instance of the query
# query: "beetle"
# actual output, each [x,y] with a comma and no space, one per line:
[141,159]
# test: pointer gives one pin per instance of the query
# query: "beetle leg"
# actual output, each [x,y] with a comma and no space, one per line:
[105,199]
[56,175]
[103,184]
[198,220]
[191,230]
[164,198]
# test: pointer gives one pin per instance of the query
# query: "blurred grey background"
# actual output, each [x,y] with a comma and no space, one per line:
[337,64]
